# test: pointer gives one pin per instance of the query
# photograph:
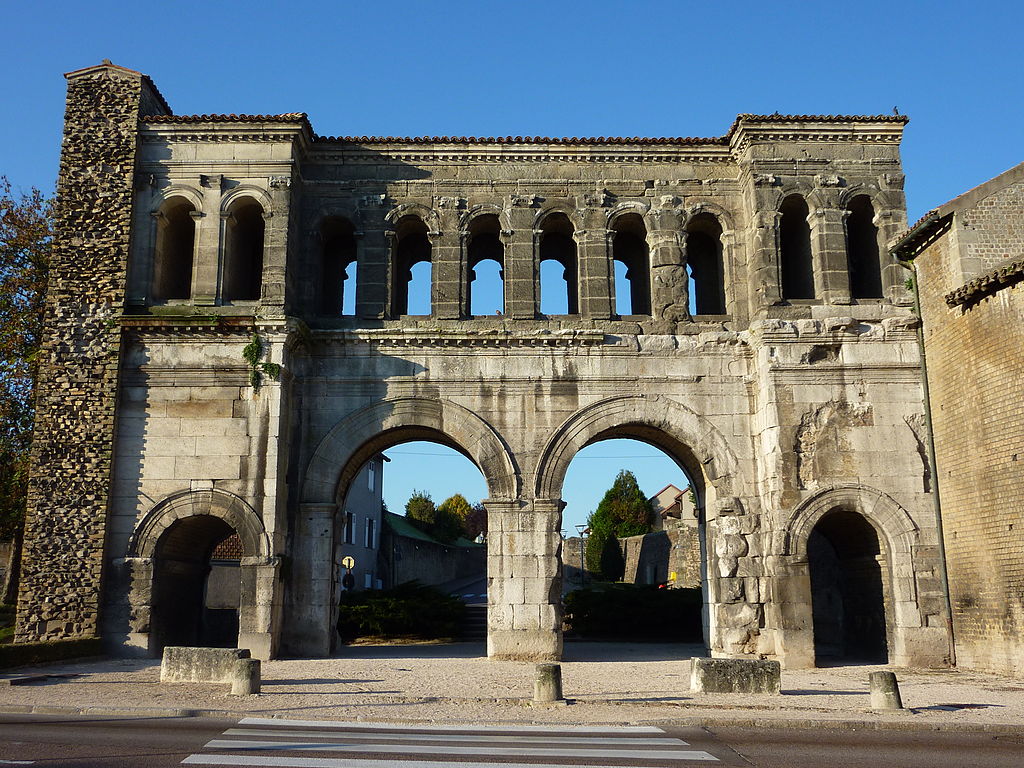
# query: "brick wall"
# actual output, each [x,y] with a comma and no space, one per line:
[975,357]
[71,452]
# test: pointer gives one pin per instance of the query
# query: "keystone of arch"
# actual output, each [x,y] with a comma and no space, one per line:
[710,453]
[185,504]
[894,524]
[467,432]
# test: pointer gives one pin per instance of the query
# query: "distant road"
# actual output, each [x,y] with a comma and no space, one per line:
[50,741]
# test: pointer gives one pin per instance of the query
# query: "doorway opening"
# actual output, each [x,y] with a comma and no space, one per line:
[197,584]
[848,589]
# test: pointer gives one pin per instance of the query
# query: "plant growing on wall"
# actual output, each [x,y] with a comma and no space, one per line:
[258,368]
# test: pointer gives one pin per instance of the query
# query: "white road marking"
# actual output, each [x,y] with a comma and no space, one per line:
[450,737]
[344,762]
[17,762]
[410,749]
[498,728]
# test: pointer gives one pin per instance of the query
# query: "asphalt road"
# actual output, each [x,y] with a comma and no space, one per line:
[47,741]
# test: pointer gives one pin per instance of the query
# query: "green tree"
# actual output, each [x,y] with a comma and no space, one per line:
[624,511]
[420,510]
[26,226]
[450,521]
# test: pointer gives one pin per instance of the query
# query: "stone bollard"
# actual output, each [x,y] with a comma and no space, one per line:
[548,686]
[885,691]
[245,679]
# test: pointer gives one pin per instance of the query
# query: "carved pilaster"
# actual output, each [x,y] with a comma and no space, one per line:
[828,239]
[596,276]
[521,266]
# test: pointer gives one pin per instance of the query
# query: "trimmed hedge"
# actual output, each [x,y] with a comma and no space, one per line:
[24,654]
[635,612]
[408,610]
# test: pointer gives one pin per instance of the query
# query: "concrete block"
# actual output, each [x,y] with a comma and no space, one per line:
[735,676]
[201,665]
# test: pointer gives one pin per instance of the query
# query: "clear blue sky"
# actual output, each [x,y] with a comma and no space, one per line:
[557,69]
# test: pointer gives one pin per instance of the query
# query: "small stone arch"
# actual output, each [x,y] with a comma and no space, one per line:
[177,190]
[725,217]
[708,452]
[629,206]
[220,504]
[484,209]
[338,455]
[247,190]
[894,524]
[427,215]
[570,212]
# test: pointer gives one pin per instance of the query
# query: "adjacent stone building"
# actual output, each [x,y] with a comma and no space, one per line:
[201,379]
[968,260]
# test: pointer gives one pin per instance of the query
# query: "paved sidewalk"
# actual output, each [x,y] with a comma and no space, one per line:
[605,683]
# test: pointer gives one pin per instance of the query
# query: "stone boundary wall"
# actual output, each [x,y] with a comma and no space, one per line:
[59,593]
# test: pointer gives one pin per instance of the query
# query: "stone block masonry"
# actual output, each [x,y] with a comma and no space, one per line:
[59,594]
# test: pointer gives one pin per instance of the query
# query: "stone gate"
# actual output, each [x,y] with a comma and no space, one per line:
[200,376]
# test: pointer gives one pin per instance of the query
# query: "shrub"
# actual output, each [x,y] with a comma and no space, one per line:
[624,511]
[408,610]
[635,612]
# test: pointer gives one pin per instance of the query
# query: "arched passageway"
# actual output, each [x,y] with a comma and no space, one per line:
[194,602]
[848,589]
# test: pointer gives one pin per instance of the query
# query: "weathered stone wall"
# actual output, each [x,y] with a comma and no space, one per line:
[975,364]
[62,568]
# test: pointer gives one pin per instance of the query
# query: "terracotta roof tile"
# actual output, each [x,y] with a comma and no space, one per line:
[288,117]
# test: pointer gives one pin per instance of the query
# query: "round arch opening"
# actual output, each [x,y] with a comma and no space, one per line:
[196,584]
[849,590]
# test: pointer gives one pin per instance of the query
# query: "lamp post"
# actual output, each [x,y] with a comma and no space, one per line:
[583,531]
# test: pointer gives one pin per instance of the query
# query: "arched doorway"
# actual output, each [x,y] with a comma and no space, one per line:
[195,601]
[848,589]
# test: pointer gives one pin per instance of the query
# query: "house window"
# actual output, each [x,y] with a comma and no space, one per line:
[371,533]
[370,475]
[350,528]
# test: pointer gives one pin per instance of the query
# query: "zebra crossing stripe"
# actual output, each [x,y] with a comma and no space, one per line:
[329,762]
[419,749]
[596,741]
[452,728]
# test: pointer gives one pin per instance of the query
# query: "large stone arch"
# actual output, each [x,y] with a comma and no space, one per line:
[706,453]
[356,436]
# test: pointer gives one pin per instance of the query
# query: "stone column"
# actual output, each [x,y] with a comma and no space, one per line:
[670,289]
[524,579]
[311,588]
[257,606]
[894,277]
[275,244]
[521,268]
[448,268]
[789,611]
[828,242]
[372,256]
[206,267]
[767,279]
[596,275]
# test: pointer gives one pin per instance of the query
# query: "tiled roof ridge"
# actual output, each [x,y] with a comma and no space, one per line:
[517,140]
[284,117]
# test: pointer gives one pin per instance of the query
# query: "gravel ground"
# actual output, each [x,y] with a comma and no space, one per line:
[605,683]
